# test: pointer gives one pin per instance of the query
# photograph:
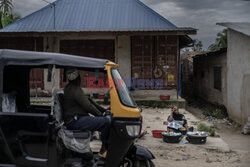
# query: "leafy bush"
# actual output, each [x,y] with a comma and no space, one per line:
[205,128]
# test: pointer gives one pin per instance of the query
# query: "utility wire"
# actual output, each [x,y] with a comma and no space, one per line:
[54,7]
[46,1]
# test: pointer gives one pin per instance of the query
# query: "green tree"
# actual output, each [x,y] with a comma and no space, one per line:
[6,6]
[1,13]
[8,18]
[220,42]
[197,45]
[6,15]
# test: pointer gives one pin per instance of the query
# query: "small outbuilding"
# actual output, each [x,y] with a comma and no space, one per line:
[210,76]
[223,76]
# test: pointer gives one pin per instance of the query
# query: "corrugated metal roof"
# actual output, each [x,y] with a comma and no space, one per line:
[211,53]
[93,15]
[242,27]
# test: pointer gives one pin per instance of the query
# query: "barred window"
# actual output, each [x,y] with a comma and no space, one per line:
[217,78]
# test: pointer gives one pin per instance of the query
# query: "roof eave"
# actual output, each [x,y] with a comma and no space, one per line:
[115,32]
[227,25]
[185,41]
[211,53]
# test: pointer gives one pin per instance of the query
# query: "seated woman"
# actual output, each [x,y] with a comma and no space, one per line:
[180,119]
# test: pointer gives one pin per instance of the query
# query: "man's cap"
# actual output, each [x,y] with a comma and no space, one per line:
[72,74]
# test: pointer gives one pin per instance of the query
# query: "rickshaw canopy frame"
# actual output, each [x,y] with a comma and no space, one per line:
[32,59]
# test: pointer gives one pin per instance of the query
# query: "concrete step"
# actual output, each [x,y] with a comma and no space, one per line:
[154,103]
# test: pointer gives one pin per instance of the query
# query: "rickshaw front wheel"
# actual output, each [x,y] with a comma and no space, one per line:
[144,163]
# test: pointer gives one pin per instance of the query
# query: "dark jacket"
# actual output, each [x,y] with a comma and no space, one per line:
[179,117]
[75,103]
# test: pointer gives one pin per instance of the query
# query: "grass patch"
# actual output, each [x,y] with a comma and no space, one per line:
[194,122]
[212,150]
[217,112]
[160,103]
[236,124]
[205,128]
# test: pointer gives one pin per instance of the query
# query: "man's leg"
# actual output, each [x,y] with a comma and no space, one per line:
[100,124]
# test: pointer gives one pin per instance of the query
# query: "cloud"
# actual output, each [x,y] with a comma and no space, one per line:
[202,14]
[25,7]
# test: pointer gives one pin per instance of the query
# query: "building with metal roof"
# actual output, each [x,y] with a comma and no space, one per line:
[128,32]
[93,15]
[223,76]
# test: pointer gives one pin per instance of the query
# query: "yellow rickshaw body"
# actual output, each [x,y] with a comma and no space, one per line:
[117,108]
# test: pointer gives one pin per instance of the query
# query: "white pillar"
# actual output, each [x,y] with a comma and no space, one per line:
[124,57]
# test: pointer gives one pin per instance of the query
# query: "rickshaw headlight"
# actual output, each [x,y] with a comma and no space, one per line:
[133,130]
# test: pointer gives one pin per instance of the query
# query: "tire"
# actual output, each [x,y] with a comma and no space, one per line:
[145,163]
[126,163]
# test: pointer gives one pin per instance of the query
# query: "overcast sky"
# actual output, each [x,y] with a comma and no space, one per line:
[200,14]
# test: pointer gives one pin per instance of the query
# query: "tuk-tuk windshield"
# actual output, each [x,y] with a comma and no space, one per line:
[122,89]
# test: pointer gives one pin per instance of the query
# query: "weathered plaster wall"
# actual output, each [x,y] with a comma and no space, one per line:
[238,76]
[204,85]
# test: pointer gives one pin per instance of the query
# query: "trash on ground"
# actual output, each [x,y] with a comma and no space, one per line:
[143,133]
[246,128]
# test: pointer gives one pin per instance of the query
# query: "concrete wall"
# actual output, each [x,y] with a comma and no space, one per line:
[238,76]
[204,86]
[124,57]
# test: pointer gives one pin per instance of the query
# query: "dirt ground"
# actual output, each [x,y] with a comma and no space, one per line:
[231,134]
[231,149]
[216,152]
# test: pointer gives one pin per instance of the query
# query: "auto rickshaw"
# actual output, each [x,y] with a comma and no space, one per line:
[29,134]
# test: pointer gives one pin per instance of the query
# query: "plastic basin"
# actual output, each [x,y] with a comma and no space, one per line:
[157,133]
